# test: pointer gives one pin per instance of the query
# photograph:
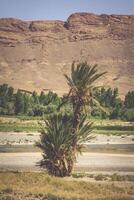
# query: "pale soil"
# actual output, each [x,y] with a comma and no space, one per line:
[22,138]
[87,162]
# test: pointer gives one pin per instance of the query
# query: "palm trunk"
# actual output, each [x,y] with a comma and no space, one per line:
[76,122]
[76,119]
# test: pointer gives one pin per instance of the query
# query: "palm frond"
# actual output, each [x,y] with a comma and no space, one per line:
[82,78]
[84,133]
[98,105]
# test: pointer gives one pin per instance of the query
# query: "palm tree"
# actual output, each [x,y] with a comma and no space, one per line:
[81,84]
[62,135]
[56,143]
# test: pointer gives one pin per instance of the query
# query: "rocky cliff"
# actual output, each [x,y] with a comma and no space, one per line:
[34,55]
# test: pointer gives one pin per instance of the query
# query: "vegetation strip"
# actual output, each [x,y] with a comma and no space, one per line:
[37,105]
[34,127]
[40,186]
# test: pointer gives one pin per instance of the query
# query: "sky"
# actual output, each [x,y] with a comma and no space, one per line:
[61,9]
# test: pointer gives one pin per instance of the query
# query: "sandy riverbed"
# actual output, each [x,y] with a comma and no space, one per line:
[23,138]
[87,162]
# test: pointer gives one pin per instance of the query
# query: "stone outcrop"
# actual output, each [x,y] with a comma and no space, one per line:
[42,51]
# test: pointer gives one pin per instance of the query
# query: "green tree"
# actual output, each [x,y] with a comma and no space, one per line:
[35,97]
[10,93]
[6,95]
[52,98]
[41,97]
[128,114]
[129,100]
[27,103]
[19,103]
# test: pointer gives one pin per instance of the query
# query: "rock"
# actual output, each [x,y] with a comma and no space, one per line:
[52,26]
[42,51]
[13,25]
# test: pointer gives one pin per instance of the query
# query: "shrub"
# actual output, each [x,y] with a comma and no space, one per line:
[128,114]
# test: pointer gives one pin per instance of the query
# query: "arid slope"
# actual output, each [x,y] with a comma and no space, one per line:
[34,55]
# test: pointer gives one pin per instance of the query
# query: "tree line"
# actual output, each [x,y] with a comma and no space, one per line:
[33,104]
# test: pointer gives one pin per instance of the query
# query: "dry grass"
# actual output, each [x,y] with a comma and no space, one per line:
[104,177]
[40,186]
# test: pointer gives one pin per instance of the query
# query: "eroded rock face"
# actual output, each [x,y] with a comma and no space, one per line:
[13,25]
[40,52]
[100,26]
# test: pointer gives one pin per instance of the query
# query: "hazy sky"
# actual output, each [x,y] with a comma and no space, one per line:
[61,9]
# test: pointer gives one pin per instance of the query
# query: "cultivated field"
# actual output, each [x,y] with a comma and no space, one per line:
[31,124]
[19,134]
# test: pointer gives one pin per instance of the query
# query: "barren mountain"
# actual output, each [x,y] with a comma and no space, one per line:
[34,55]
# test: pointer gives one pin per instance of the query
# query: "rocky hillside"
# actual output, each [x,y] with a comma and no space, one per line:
[34,55]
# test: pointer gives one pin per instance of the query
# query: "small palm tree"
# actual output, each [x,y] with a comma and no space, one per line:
[56,143]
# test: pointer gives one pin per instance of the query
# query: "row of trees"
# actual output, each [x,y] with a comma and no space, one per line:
[34,104]
[115,108]
[23,103]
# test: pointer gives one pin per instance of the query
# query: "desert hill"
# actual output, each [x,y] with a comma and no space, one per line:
[34,55]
